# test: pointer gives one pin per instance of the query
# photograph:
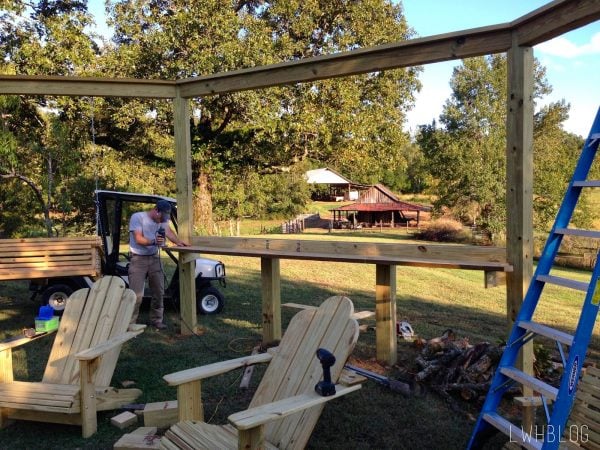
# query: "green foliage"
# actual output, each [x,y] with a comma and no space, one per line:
[467,158]
[259,196]
[555,154]
[353,124]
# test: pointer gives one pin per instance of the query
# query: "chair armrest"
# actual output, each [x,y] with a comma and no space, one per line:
[260,415]
[17,341]
[209,370]
[100,349]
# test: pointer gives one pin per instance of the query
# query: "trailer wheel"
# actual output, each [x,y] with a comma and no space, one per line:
[56,296]
[209,300]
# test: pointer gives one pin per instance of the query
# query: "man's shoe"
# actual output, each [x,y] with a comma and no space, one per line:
[159,325]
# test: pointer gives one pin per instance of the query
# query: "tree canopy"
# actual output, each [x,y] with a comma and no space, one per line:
[466,153]
[249,149]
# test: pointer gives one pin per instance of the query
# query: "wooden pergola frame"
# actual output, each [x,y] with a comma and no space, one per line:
[516,38]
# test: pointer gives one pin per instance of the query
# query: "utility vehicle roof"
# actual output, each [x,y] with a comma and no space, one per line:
[134,197]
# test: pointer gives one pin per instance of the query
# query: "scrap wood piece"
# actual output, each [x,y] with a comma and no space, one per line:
[394,385]
[123,420]
[249,370]
[141,438]
[161,414]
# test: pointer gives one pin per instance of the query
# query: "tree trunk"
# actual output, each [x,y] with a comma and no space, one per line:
[203,205]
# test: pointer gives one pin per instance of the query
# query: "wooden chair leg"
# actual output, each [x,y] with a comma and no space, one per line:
[189,401]
[89,421]
[252,439]
[4,420]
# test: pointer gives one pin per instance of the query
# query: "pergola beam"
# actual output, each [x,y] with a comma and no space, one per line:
[83,86]
[414,52]
[554,19]
[541,25]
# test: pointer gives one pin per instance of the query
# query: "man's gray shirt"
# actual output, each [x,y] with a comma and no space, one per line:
[142,221]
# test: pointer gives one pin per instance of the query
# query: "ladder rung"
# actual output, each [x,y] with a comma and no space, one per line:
[576,232]
[587,183]
[579,285]
[515,433]
[527,380]
[549,332]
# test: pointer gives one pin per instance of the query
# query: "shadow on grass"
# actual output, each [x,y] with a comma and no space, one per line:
[374,417]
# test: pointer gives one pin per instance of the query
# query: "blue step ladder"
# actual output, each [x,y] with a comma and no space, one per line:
[557,401]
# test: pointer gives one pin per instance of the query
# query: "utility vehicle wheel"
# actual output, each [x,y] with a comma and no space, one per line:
[209,301]
[56,296]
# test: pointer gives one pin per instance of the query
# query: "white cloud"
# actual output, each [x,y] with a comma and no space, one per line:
[564,48]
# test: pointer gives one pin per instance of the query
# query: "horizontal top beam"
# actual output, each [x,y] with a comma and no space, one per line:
[425,255]
[414,52]
[540,25]
[84,86]
[554,19]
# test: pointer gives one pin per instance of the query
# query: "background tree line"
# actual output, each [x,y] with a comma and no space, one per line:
[249,149]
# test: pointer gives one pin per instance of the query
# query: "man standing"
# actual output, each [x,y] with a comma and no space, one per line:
[147,233]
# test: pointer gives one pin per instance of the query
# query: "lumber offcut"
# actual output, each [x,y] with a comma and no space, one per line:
[124,420]
[161,414]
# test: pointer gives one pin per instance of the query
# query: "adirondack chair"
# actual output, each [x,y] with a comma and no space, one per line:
[81,363]
[285,407]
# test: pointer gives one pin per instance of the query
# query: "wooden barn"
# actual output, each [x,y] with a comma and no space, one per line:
[376,206]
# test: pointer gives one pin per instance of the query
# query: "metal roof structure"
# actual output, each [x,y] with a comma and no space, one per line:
[325,176]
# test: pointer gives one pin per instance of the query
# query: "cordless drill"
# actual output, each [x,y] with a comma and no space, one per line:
[162,233]
[325,388]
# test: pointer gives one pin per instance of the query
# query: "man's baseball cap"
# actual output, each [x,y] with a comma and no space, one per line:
[164,207]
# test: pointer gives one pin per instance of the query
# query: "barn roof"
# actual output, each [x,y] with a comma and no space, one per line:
[325,176]
[381,207]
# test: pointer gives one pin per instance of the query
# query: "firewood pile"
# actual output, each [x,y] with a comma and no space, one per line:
[451,366]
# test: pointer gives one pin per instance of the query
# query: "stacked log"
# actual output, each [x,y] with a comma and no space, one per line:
[454,366]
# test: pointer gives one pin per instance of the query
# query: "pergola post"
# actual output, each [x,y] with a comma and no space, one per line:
[185,218]
[385,312]
[519,191]
[271,299]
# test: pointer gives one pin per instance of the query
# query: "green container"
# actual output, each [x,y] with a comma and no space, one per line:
[46,325]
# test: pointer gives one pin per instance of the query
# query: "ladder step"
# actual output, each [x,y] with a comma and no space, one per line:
[515,433]
[587,183]
[576,232]
[546,331]
[527,380]
[578,285]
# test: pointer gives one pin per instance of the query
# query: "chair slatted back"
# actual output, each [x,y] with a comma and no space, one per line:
[91,317]
[295,369]
[583,428]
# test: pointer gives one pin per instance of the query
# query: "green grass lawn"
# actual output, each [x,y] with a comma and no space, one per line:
[432,300]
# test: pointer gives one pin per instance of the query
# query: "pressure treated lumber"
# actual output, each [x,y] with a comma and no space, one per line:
[519,198]
[538,26]
[160,414]
[424,255]
[86,86]
[583,427]
[25,259]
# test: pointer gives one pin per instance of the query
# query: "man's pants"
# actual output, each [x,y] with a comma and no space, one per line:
[141,267]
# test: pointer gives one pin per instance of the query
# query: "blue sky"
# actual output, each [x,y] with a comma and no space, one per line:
[572,60]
